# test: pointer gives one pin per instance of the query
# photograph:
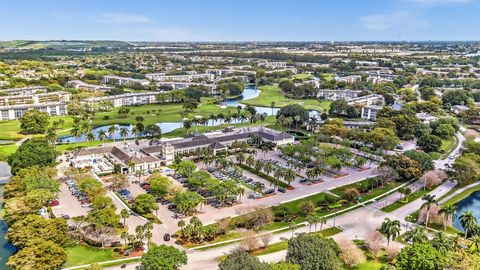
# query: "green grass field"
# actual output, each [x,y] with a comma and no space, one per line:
[82,254]
[369,265]
[271,93]
[302,76]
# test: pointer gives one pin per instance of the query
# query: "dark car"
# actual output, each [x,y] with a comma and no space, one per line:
[303,180]
[166,237]
[269,191]
[282,190]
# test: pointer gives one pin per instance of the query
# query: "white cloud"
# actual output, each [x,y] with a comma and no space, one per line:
[123,18]
[439,2]
[400,20]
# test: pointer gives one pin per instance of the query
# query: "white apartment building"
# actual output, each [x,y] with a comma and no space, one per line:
[77,84]
[14,112]
[277,64]
[349,79]
[370,112]
[221,72]
[29,90]
[330,94]
[124,80]
[161,77]
[125,99]
[368,100]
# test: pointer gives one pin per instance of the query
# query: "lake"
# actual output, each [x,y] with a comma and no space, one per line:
[248,93]
[471,203]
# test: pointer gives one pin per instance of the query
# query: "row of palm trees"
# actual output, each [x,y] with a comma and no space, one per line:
[267,167]
[224,119]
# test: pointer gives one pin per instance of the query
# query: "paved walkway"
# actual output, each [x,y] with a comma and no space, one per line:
[458,191]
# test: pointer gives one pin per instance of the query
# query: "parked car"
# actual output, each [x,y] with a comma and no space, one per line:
[282,190]
[166,237]
[54,203]
[269,191]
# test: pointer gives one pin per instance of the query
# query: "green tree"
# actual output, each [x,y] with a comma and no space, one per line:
[187,201]
[145,203]
[390,228]
[163,257]
[429,143]
[448,213]
[241,260]
[32,153]
[34,226]
[420,257]
[186,168]
[314,252]
[34,122]
[283,266]
[429,201]
[468,222]
[124,214]
[159,185]
[416,235]
[423,159]
[38,254]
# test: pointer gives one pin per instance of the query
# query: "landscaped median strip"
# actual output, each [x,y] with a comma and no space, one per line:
[304,223]
[107,263]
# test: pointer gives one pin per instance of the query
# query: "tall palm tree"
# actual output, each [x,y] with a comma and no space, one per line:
[90,137]
[187,124]
[391,229]
[289,176]
[51,136]
[468,222]
[268,167]
[134,132]
[311,174]
[124,133]
[76,131]
[277,175]
[250,161]
[311,220]
[322,221]
[416,235]
[448,212]
[240,157]
[101,135]
[429,201]
[111,131]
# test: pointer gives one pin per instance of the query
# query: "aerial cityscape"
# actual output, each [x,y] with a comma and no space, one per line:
[240,135]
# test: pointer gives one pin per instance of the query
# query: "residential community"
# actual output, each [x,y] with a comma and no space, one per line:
[329,155]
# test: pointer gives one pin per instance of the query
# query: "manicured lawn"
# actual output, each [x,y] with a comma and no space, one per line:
[327,76]
[369,265]
[368,195]
[284,244]
[302,76]
[272,93]
[410,198]
[294,206]
[8,149]
[455,199]
[82,254]
[447,144]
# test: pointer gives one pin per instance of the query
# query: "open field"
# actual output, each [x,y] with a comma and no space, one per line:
[82,254]
[271,93]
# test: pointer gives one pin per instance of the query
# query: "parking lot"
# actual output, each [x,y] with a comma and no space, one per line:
[68,204]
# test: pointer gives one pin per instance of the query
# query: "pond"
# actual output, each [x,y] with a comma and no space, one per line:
[471,203]
[248,93]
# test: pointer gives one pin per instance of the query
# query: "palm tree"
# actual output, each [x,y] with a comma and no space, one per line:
[268,168]
[124,133]
[111,131]
[475,243]
[310,174]
[134,132]
[448,212]
[250,161]
[139,174]
[240,157]
[90,137]
[101,135]
[468,222]
[51,136]
[322,221]
[76,131]
[272,105]
[124,214]
[416,235]
[292,226]
[311,220]
[289,176]
[391,229]
[187,124]
[429,201]
[277,174]
[258,165]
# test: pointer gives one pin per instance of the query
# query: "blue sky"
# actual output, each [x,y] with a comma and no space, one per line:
[240,20]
